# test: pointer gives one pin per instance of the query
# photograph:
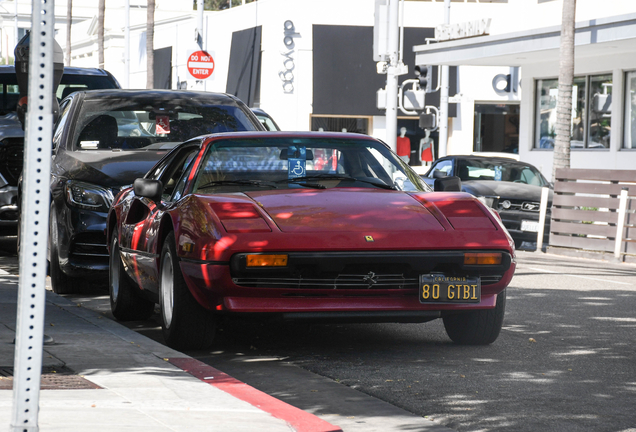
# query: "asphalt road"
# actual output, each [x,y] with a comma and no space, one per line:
[564,361]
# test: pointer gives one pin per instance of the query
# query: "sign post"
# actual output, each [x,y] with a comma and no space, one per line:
[35,220]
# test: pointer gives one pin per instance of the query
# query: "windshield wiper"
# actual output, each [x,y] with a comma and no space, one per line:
[239,182]
[375,182]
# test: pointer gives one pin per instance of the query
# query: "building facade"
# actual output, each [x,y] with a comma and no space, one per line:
[310,65]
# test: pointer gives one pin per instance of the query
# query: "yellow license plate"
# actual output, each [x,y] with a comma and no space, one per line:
[439,288]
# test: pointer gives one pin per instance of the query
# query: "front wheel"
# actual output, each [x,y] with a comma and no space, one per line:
[479,327]
[186,325]
[126,302]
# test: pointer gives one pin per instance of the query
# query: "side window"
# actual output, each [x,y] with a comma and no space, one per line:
[180,186]
[444,167]
[61,122]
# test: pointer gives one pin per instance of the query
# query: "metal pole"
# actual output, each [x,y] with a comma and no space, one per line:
[35,221]
[127,46]
[543,208]
[443,105]
[620,225]
[15,19]
[392,76]
[200,22]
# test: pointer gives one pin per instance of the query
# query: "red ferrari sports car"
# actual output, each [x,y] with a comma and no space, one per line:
[315,226]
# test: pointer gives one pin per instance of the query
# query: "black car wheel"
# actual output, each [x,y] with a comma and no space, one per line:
[61,283]
[125,301]
[185,323]
[479,327]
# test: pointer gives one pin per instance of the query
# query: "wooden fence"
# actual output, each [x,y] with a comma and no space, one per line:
[585,214]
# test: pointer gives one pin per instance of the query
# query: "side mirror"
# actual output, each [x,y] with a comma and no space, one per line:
[448,184]
[439,174]
[151,189]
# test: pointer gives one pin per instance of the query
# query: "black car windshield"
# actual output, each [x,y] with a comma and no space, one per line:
[498,170]
[132,124]
[239,164]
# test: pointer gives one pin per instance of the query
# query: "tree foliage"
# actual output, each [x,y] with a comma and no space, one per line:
[215,5]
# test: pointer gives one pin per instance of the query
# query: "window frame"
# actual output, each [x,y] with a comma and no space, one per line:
[586,114]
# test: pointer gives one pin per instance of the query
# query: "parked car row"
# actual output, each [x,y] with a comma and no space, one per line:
[187,200]
[511,187]
[12,134]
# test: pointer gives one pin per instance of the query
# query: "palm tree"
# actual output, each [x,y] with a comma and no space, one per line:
[69,17]
[150,53]
[101,9]
[561,156]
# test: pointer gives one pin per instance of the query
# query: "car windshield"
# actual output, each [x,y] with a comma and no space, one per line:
[499,171]
[127,124]
[240,164]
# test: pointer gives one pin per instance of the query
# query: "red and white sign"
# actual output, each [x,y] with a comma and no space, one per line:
[162,123]
[200,65]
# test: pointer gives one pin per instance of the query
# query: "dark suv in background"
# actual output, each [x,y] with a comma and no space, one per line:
[12,135]
[103,141]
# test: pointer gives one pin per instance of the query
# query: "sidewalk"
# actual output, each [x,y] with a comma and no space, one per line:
[101,376]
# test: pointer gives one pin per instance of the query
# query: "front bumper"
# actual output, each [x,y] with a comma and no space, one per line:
[9,206]
[81,241]
[339,286]
[512,220]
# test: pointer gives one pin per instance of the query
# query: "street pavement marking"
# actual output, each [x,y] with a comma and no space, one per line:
[582,277]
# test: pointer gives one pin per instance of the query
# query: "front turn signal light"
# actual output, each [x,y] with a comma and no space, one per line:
[266,260]
[482,258]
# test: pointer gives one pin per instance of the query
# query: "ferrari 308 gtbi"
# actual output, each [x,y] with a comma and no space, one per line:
[313,226]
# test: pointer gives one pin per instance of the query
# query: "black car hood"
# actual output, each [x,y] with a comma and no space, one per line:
[106,167]
[504,190]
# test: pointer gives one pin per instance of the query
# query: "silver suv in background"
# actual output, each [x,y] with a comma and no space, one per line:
[12,135]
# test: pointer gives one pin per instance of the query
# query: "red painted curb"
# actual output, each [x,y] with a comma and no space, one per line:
[300,420]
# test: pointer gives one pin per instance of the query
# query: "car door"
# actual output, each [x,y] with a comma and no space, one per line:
[140,227]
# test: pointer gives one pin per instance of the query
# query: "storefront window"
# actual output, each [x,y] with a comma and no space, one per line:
[630,110]
[591,99]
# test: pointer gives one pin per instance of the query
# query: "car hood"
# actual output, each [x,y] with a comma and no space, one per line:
[504,190]
[308,210]
[105,167]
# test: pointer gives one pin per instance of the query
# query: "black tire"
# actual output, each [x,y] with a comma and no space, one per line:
[518,243]
[479,327]
[61,283]
[186,325]
[126,303]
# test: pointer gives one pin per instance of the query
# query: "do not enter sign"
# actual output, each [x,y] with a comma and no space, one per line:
[201,65]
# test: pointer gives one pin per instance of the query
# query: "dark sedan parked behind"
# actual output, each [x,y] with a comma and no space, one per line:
[511,187]
[103,141]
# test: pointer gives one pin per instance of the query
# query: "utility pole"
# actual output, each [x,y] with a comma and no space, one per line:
[443,105]
[200,23]
[127,46]
[392,74]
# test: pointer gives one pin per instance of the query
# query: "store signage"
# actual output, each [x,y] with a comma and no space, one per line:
[201,65]
[447,32]
[286,75]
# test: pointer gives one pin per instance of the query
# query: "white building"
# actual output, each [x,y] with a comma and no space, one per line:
[310,65]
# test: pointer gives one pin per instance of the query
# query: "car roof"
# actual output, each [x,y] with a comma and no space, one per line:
[499,159]
[69,70]
[160,95]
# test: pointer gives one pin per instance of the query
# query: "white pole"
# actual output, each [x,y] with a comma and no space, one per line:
[35,221]
[543,207]
[15,18]
[127,46]
[200,20]
[392,76]
[620,225]
[443,105]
